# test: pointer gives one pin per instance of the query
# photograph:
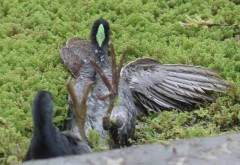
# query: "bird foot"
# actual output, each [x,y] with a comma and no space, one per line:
[113,86]
[117,137]
[119,133]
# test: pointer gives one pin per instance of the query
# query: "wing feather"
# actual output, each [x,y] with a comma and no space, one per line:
[74,54]
[158,87]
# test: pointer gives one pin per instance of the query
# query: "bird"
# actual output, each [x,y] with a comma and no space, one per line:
[145,84]
[47,140]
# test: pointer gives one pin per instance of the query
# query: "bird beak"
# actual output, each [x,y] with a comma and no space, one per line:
[100,35]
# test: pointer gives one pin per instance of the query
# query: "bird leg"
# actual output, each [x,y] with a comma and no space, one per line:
[113,89]
[116,70]
[80,108]
[113,98]
[103,76]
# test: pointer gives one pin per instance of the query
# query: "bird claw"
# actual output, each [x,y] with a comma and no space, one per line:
[119,131]
[119,135]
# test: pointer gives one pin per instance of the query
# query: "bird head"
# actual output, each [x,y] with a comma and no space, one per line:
[100,32]
[43,106]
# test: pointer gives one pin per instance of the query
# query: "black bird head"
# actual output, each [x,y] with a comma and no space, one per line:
[100,32]
[43,106]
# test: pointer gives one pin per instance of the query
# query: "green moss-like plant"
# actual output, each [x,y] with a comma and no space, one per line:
[32,31]
[97,142]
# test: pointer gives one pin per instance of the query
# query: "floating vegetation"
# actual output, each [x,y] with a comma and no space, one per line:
[32,32]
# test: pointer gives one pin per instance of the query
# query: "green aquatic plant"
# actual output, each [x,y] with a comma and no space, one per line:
[32,32]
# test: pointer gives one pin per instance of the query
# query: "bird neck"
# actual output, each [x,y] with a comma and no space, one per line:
[43,123]
[100,55]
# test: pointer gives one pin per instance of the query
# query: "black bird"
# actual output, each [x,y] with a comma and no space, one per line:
[47,140]
[145,84]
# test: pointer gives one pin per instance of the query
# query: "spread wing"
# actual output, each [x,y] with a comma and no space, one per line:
[74,53]
[159,87]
